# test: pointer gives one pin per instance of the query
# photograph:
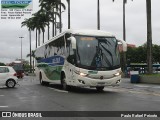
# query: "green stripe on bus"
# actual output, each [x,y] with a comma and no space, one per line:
[52,72]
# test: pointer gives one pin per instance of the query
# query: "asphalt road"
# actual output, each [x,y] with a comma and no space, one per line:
[31,96]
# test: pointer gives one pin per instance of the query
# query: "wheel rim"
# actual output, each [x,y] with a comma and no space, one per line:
[11,83]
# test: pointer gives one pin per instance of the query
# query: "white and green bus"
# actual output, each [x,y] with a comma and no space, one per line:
[83,58]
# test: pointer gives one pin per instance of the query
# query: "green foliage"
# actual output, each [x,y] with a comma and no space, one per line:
[139,54]
[2,64]
[26,67]
[156,53]
[153,74]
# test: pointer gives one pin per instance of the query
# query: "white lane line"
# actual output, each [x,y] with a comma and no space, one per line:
[2,87]
[156,87]
[58,90]
[141,86]
[3,106]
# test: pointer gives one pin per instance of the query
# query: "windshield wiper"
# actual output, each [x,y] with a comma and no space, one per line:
[106,59]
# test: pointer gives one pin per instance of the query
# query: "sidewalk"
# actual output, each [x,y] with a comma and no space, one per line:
[142,87]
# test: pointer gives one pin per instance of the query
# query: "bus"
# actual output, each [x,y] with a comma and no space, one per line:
[83,58]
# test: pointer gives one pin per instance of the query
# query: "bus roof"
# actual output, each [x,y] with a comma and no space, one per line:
[90,32]
[81,32]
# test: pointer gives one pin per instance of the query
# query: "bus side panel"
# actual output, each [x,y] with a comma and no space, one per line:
[51,67]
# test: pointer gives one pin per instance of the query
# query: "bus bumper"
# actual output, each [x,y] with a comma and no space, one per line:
[90,82]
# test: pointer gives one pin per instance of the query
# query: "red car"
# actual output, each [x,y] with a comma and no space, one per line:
[20,73]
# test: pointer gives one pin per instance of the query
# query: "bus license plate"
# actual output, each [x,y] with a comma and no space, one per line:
[101,83]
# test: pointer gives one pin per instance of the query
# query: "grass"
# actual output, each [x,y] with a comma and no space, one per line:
[153,74]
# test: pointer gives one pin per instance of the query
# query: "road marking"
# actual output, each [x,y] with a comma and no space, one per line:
[3,106]
[58,90]
[2,87]
[156,87]
[141,85]
[1,95]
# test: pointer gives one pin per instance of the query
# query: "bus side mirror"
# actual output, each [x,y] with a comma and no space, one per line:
[124,45]
[73,42]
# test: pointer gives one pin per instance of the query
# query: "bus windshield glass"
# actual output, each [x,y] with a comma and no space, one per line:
[97,53]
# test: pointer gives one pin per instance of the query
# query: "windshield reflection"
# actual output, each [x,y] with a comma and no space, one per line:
[97,53]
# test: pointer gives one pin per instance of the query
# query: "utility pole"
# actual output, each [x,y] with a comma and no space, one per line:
[21,46]
[69,14]
[98,16]
[30,51]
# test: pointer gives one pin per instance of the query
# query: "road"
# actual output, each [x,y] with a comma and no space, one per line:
[29,95]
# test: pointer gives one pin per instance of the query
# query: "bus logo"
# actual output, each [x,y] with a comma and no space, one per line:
[11,4]
[101,77]
[56,60]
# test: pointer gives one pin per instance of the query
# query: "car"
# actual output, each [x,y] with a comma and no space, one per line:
[8,76]
[20,73]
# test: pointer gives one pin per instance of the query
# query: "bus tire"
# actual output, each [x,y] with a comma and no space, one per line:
[41,81]
[64,84]
[100,89]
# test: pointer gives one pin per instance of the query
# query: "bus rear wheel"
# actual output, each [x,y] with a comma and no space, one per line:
[100,89]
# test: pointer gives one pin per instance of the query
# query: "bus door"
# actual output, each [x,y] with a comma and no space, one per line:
[71,66]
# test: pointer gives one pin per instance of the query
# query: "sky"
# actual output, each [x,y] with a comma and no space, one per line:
[84,16]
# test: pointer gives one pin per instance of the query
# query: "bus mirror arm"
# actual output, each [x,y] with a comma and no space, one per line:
[73,41]
[124,45]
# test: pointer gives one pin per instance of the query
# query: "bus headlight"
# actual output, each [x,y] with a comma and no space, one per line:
[117,74]
[83,74]
[80,73]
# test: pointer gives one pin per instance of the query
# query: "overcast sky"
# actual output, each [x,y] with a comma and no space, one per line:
[84,16]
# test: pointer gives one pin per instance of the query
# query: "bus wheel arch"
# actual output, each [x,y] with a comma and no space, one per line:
[41,80]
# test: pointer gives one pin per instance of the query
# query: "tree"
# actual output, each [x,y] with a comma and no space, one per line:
[69,22]
[149,33]
[52,10]
[124,35]
[136,55]
[46,10]
[149,37]
[139,54]
[156,53]
[29,24]
[2,64]
[33,56]
[34,26]
[42,19]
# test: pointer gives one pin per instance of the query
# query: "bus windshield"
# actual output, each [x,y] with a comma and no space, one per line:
[97,53]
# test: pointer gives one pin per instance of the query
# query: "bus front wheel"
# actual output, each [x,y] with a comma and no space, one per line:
[64,84]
